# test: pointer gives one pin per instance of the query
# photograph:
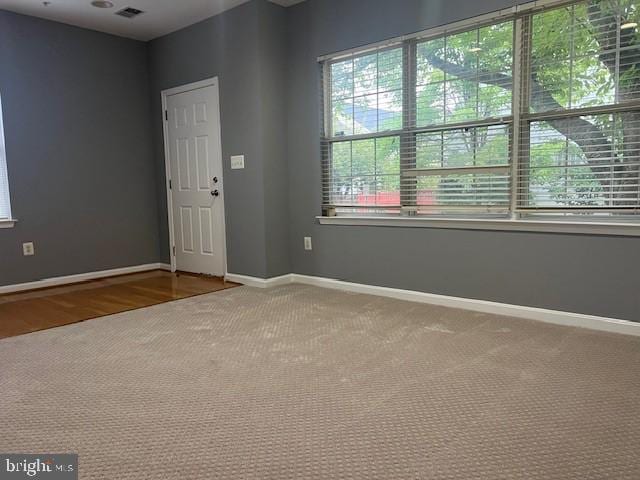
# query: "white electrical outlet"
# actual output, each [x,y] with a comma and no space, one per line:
[237,162]
[27,249]
[307,243]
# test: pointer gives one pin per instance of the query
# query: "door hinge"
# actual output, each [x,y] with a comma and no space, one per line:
[166,115]
[170,185]
[174,250]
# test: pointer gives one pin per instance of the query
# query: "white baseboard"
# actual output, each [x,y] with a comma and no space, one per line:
[557,317]
[81,277]
[259,282]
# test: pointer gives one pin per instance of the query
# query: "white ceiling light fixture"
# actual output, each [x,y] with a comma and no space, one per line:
[628,25]
[102,4]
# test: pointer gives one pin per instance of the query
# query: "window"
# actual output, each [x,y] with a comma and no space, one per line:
[580,148]
[366,102]
[5,206]
[534,113]
[463,122]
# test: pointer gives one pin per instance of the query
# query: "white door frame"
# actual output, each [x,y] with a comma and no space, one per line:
[209,82]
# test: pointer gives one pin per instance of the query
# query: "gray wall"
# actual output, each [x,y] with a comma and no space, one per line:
[587,274]
[244,47]
[84,141]
[273,64]
[79,151]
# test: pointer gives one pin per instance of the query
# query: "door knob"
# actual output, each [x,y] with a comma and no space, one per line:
[215,193]
[215,179]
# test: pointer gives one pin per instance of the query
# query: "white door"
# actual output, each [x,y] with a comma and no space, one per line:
[194,154]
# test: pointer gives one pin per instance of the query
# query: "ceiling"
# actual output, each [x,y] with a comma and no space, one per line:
[160,17]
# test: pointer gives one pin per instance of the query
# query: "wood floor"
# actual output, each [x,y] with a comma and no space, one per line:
[35,310]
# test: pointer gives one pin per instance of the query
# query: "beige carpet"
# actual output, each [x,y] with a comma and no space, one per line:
[302,383]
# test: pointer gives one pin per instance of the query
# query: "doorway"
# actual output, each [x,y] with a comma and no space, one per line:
[195,187]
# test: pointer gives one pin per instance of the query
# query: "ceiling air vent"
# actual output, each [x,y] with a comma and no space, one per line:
[129,12]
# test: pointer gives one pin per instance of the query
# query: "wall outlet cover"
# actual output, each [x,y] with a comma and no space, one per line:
[28,249]
[237,162]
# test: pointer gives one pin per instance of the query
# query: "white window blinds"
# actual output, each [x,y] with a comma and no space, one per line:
[366,116]
[528,112]
[5,207]
[579,149]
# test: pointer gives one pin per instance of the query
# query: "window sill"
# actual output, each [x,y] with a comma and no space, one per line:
[549,226]
[7,223]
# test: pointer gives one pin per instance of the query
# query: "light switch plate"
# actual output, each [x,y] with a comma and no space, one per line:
[237,162]
[307,243]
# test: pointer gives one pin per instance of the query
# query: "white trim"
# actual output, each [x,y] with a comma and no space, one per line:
[81,277]
[517,102]
[556,317]
[4,169]
[207,82]
[549,226]
[164,94]
[259,282]
[167,179]
[8,223]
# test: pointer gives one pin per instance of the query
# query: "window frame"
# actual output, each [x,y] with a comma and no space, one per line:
[517,122]
[9,221]
[328,139]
